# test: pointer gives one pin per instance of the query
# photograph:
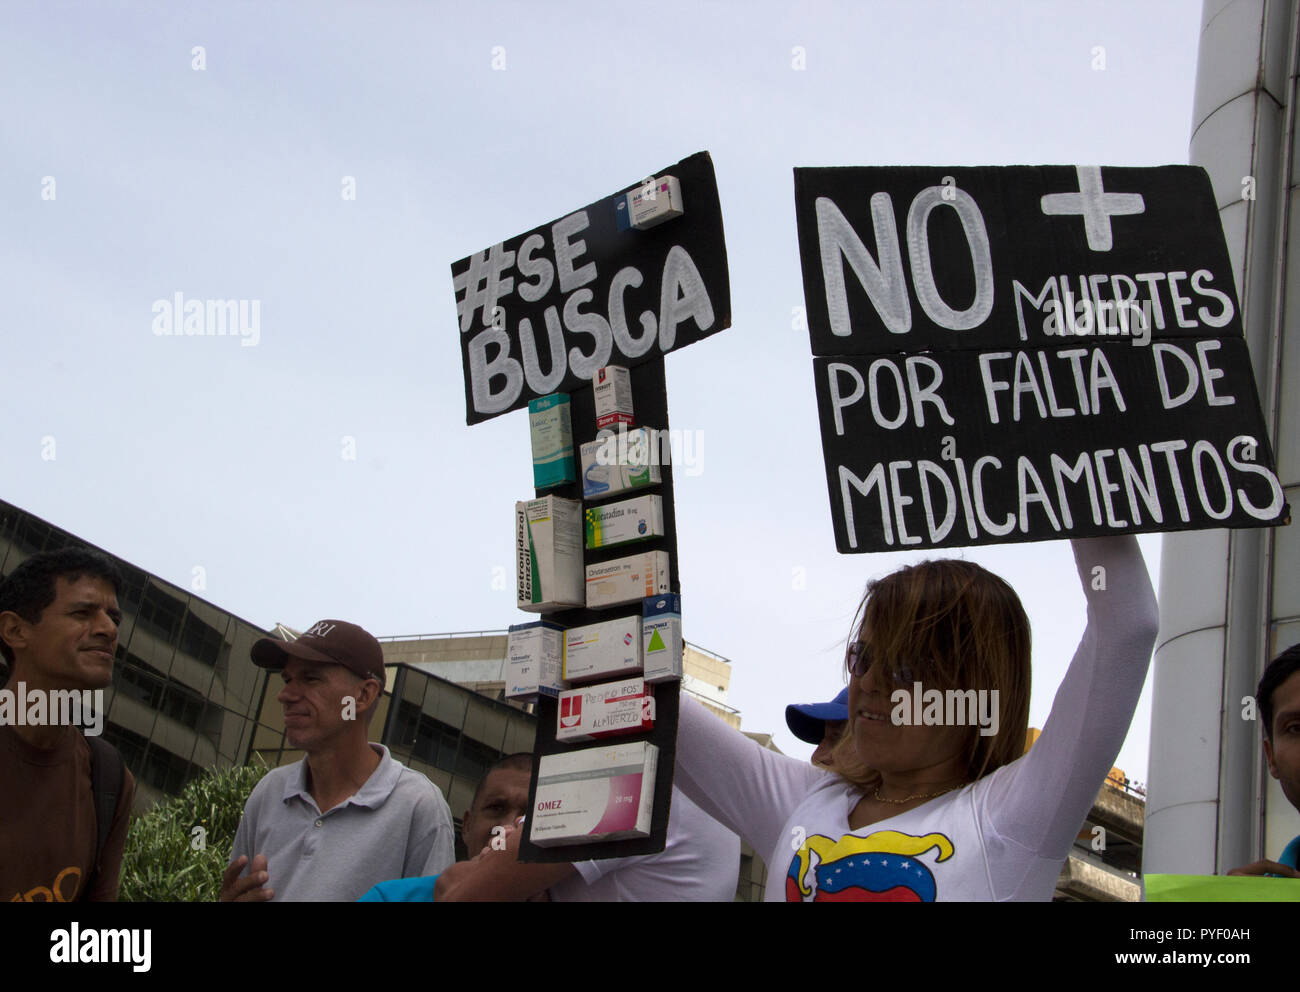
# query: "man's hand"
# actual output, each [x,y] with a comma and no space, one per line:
[498,876]
[1266,868]
[249,888]
[507,841]
[504,838]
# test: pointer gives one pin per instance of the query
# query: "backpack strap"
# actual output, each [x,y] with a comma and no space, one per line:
[107,781]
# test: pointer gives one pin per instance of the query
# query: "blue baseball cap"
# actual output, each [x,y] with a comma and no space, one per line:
[807,721]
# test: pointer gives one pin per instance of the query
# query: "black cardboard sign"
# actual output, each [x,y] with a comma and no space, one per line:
[650,402]
[1022,353]
[540,313]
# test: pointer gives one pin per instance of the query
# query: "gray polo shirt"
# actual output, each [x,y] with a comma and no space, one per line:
[397,825]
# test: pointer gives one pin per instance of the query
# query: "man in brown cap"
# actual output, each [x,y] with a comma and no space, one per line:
[347,816]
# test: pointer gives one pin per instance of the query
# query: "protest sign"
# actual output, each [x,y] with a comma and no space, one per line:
[650,395]
[621,282]
[1214,888]
[1018,353]
[541,312]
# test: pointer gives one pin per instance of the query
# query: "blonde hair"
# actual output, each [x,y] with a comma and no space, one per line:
[966,629]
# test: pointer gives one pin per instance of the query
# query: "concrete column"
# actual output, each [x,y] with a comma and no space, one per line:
[1229,600]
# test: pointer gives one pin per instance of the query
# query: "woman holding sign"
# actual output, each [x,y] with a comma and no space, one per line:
[932,797]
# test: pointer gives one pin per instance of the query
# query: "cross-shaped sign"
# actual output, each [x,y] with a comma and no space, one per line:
[619,282]
[1094,205]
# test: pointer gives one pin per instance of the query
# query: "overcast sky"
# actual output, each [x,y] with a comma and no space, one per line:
[220,173]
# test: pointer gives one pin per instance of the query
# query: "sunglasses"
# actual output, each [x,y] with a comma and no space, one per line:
[859,661]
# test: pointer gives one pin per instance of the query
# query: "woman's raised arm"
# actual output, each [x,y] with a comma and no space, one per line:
[1040,801]
[748,789]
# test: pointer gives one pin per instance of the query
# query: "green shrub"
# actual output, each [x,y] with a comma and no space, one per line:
[167,859]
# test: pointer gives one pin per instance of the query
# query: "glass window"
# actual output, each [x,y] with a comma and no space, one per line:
[201,641]
[131,745]
[30,534]
[133,585]
[405,726]
[138,680]
[475,759]
[160,614]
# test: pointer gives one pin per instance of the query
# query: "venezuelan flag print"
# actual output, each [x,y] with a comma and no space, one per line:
[880,867]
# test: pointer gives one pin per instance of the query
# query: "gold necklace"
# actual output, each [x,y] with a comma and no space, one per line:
[907,799]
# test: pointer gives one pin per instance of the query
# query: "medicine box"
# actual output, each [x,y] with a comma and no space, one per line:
[603,650]
[548,553]
[550,427]
[596,794]
[611,524]
[654,202]
[616,463]
[612,388]
[661,638]
[605,710]
[627,580]
[534,660]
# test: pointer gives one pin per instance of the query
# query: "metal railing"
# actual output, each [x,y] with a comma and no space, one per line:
[711,654]
[455,633]
[1128,786]
[503,632]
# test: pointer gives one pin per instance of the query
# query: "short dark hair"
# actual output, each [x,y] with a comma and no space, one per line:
[30,587]
[1278,671]
[520,761]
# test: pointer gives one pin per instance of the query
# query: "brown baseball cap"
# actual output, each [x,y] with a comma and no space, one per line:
[334,642]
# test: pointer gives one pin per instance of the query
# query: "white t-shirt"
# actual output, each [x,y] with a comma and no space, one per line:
[1003,837]
[699,863]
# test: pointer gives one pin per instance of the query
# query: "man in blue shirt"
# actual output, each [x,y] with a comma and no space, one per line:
[1278,697]
[699,862]
[500,800]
